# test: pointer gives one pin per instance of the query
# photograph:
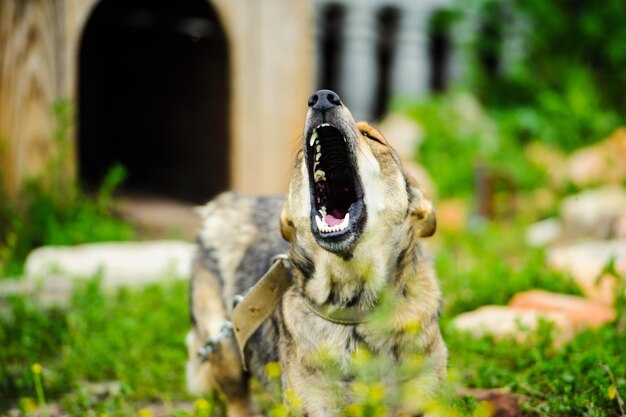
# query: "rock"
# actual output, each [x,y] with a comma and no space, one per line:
[620,227]
[587,166]
[51,291]
[544,232]
[593,213]
[601,163]
[504,404]
[121,264]
[585,262]
[519,323]
[581,312]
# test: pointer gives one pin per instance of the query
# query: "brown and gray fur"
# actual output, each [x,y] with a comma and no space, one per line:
[239,236]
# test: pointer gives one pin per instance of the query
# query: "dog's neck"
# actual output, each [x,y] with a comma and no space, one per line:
[380,261]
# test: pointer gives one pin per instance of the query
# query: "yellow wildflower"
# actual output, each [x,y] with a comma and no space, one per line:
[272,370]
[28,405]
[144,412]
[201,404]
[36,368]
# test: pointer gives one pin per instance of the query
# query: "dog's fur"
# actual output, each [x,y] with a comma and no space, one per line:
[379,252]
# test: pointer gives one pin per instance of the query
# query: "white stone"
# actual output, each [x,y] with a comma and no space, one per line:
[585,262]
[593,213]
[124,263]
[511,322]
[620,227]
[582,312]
[544,232]
[601,163]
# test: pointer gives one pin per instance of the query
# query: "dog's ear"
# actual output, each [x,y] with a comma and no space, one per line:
[422,210]
[287,228]
[371,132]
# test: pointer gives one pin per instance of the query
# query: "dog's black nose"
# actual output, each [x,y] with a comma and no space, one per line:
[324,100]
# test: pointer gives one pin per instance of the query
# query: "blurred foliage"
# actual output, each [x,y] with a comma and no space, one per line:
[548,72]
[567,382]
[491,272]
[46,217]
[574,380]
[460,137]
[52,210]
[565,87]
[568,36]
[133,338]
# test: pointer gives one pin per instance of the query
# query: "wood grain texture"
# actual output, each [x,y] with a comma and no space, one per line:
[38,47]
[30,81]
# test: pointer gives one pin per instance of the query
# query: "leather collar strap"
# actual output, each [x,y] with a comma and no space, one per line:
[346,315]
[259,303]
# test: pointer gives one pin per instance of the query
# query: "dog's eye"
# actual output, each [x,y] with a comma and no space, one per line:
[375,139]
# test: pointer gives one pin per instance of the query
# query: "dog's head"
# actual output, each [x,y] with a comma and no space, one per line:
[348,183]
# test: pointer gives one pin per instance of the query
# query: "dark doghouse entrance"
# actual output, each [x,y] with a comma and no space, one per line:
[154,97]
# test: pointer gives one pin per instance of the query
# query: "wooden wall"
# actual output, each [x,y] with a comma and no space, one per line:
[37,69]
[272,62]
[273,67]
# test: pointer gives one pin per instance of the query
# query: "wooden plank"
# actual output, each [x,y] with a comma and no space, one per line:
[39,42]
[29,83]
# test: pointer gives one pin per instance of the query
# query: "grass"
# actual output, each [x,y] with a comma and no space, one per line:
[132,337]
[489,264]
[135,338]
[51,209]
[45,218]
[572,381]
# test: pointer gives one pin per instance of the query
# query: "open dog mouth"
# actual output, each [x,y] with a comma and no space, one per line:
[336,192]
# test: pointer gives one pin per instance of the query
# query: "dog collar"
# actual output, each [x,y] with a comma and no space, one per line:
[259,303]
[344,315]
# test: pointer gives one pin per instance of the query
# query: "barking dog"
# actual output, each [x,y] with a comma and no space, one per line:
[351,226]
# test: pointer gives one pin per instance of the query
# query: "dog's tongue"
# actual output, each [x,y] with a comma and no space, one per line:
[332,220]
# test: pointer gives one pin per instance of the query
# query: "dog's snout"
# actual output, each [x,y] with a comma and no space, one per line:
[324,100]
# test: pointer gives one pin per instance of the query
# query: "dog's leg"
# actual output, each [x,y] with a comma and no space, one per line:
[221,369]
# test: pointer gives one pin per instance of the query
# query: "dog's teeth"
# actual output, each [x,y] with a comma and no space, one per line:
[318,147]
[318,156]
[313,138]
[320,223]
[345,221]
[315,164]
[319,175]
[323,227]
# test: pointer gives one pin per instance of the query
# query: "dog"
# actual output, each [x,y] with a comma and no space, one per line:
[350,227]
